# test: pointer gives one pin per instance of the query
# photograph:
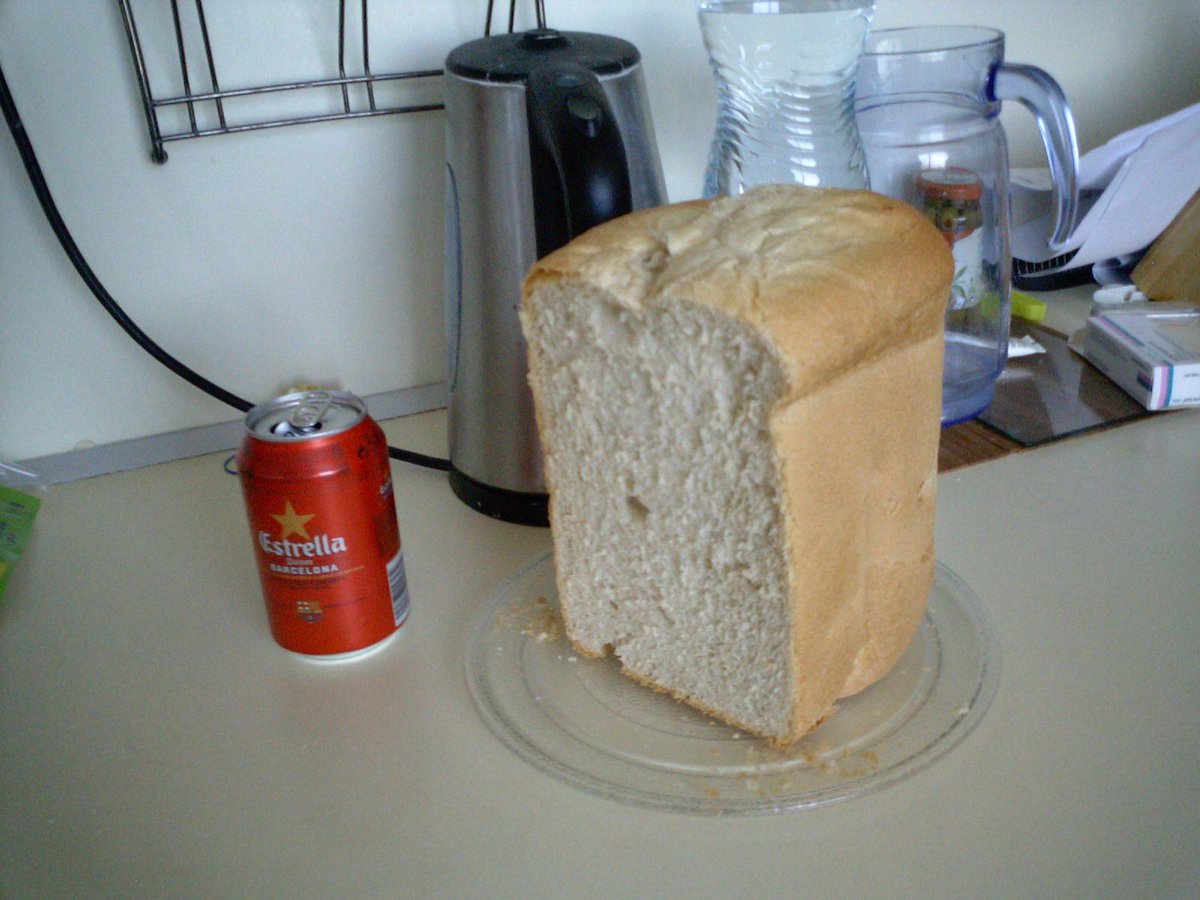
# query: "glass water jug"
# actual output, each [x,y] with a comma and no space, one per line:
[928,104]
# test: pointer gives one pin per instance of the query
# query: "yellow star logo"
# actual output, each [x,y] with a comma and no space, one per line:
[291,522]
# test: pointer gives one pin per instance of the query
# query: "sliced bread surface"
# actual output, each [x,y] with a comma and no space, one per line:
[739,407]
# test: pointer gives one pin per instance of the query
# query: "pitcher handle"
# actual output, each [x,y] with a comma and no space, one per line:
[1038,92]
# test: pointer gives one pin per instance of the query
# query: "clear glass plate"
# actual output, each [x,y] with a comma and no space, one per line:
[584,722]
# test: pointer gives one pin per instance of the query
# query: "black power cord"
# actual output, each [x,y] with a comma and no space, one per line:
[34,170]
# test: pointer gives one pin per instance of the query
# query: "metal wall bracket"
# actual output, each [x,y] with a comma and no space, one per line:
[192,29]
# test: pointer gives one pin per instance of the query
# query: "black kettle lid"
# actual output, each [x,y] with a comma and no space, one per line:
[511,57]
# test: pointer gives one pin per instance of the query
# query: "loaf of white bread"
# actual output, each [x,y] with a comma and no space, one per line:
[739,405]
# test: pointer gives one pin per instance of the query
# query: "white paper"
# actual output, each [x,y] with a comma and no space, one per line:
[1147,175]
[1023,346]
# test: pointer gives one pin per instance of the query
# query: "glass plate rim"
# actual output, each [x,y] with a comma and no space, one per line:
[985,691]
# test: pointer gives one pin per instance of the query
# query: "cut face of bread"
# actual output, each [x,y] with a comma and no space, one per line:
[739,407]
[668,497]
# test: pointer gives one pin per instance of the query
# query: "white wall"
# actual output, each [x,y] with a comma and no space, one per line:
[315,252]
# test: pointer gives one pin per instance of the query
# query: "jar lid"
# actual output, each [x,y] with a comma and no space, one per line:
[951,183]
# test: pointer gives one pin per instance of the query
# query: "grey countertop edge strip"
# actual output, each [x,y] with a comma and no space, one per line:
[135,453]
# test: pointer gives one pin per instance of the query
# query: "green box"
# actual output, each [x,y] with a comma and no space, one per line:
[17,511]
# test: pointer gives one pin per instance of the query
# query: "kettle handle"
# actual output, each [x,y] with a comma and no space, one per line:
[578,169]
[1038,92]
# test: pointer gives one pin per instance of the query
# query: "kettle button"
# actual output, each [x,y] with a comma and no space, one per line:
[543,39]
[586,112]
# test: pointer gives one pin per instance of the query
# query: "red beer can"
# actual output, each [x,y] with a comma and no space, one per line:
[318,489]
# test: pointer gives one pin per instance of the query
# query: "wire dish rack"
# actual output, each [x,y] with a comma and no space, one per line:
[208,109]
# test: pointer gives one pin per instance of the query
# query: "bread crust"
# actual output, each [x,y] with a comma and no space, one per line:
[849,289]
[796,263]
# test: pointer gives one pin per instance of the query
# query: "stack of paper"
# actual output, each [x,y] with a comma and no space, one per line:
[1139,180]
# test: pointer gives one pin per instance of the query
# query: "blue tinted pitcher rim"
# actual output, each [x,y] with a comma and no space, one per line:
[937,39]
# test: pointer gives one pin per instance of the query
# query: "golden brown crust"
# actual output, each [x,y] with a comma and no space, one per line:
[862,546]
[796,263]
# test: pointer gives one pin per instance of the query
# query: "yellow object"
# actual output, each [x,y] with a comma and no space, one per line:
[1028,307]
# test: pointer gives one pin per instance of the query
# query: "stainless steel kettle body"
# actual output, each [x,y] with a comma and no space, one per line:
[547,134]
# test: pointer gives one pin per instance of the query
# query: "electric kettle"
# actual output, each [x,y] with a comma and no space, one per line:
[548,133]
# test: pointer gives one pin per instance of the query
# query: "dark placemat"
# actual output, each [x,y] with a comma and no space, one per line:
[1055,394]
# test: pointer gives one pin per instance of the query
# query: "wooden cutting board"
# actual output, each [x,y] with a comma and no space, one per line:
[1170,270]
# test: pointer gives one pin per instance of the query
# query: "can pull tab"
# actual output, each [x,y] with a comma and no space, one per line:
[309,415]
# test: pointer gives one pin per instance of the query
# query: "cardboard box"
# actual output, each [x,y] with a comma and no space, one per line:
[1152,350]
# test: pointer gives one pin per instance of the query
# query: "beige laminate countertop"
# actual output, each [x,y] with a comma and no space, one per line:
[154,742]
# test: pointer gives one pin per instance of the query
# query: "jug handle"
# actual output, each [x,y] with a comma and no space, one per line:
[579,172]
[1038,92]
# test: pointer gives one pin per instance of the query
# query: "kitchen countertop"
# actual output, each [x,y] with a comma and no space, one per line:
[155,742]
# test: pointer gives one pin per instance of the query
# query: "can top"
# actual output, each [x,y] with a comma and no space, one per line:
[304,415]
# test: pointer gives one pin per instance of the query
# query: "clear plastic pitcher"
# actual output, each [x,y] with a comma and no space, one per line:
[785,92]
[928,105]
